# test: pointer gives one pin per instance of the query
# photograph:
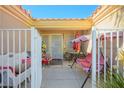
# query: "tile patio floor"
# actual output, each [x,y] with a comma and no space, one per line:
[62,76]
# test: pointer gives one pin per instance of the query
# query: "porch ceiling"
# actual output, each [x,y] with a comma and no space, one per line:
[63,24]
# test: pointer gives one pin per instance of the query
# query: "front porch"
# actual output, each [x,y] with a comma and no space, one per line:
[62,76]
[58,35]
[21,49]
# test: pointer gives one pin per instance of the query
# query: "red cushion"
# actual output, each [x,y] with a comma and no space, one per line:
[11,68]
[89,57]
[28,60]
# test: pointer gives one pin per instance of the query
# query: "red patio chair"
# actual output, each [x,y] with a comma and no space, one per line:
[86,65]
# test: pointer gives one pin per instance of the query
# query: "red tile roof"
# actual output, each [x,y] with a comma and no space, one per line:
[24,10]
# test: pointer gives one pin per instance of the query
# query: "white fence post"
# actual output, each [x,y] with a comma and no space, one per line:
[39,65]
[117,51]
[104,47]
[32,58]
[98,48]
[111,54]
[36,71]
[93,58]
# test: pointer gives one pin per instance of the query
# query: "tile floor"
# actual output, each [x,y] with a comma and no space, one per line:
[62,76]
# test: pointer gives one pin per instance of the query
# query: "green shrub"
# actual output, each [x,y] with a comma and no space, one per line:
[117,81]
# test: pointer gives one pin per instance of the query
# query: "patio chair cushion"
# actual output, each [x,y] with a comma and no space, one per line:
[89,57]
[21,68]
[5,67]
[83,62]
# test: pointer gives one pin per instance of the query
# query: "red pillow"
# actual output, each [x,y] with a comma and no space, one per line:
[11,68]
[27,60]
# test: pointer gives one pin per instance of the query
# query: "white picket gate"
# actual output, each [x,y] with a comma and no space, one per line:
[106,42]
[20,58]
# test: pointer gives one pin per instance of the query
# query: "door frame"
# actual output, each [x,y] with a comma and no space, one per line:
[50,42]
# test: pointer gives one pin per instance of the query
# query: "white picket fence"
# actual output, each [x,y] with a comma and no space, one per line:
[106,42]
[20,58]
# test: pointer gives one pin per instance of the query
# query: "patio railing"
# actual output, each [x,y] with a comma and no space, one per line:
[106,42]
[20,58]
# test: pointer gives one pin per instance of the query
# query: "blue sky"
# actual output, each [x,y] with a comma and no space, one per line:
[61,11]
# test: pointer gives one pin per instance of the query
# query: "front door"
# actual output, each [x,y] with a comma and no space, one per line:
[57,46]
[54,45]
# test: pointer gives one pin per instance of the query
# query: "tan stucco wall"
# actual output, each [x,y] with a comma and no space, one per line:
[9,22]
[11,41]
[116,19]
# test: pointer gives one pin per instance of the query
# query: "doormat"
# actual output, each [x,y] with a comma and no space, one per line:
[56,62]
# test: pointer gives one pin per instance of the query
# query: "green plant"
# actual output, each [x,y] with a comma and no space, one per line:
[44,46]
[117,81]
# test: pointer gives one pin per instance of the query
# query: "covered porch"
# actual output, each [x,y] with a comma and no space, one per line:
[21,44]
[58,35]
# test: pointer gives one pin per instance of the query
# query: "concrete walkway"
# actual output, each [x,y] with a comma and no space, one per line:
[62,76]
